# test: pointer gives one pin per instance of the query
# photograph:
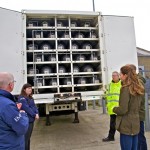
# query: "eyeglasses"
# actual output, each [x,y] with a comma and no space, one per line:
[12,81]
[114,75]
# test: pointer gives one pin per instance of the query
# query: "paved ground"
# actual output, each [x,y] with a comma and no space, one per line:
[64,135]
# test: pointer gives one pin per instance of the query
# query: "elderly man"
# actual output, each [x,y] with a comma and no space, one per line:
[112,99]
[13,122]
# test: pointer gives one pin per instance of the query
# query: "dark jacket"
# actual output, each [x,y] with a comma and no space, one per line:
[142,109]
[13,124]
[127,121]
[29,107]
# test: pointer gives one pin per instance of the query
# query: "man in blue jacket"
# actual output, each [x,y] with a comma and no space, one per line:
[13,122]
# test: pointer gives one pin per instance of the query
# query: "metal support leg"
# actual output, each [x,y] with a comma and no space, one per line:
[94,104]
[48,123]
[87,105]
[76,119]
[104,105]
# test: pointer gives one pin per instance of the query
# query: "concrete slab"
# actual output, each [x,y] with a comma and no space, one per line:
[64,135]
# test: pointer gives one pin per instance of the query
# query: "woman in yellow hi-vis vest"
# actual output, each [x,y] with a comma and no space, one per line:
[112,100]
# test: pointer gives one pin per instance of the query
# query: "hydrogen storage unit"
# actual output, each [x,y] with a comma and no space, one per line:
[64,48]
[67,57]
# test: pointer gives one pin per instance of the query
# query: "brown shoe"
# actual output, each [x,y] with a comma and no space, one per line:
[108,139]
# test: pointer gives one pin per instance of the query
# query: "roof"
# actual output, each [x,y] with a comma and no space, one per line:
[142,52]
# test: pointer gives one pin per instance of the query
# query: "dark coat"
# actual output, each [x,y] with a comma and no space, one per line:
[29,107]
[127,121]
[142,109]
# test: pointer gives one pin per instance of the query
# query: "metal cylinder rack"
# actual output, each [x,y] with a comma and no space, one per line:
[63,52]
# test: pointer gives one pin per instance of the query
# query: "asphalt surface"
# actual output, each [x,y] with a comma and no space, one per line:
[65,135]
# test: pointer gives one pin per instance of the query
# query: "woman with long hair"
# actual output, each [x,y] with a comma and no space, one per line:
[30,108]
[127,121]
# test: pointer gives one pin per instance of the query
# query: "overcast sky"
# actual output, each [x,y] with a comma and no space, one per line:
[139,9]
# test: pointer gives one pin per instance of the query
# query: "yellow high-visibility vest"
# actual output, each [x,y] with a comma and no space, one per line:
[112,96]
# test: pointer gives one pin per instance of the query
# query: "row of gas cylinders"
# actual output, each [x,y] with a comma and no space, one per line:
[77,57]
[44,34]
[59,24]
[66,81]
[59,46]
[61,69]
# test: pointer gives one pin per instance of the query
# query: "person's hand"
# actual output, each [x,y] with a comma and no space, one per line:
[113,108]
[19,105]
[22,111]
[37,116]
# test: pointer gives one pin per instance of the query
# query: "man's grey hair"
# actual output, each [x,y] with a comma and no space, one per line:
[5,79]
[115,72]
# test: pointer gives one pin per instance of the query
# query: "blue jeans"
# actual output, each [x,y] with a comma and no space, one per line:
[142,144]
[128,142]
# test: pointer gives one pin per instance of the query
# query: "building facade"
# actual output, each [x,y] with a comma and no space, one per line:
[144,61]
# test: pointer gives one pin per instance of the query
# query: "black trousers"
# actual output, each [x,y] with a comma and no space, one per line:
[28,136]
[142,144]
[112,129]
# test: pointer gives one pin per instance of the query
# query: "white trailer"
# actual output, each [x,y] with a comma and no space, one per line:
[67,56]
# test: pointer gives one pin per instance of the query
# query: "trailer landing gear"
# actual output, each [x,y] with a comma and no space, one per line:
[48,122]
[76,119]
